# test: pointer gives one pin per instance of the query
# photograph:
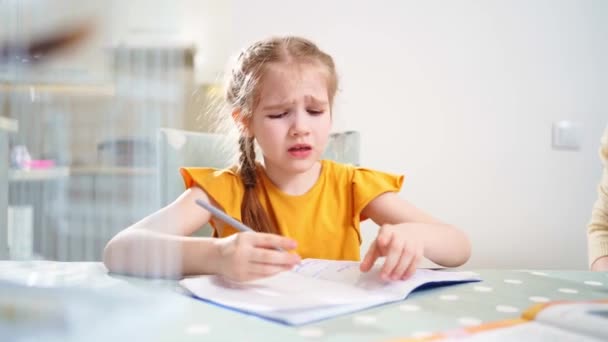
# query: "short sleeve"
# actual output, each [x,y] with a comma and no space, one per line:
[369,184]
[597,229]
[223,186]
[604,148]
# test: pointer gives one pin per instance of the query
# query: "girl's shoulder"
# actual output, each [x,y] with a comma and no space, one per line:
[361,176]
[337,168]
[205,175]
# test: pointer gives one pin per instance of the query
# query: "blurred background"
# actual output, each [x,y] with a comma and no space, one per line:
[492,109]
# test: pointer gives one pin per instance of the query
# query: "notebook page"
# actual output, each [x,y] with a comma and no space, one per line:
[348,273]
[284,291]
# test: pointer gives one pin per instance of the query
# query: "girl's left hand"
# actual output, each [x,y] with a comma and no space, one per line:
[402,248]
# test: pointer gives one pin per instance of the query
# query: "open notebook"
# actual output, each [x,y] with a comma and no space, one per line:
[314,290]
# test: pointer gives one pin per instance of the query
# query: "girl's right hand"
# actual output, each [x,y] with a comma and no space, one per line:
[247,256]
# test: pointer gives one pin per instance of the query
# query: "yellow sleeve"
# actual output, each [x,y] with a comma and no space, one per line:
[369,184]
[597,230]
[223,186]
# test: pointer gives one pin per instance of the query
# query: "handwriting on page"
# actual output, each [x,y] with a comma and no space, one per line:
[342,272]
[347,272]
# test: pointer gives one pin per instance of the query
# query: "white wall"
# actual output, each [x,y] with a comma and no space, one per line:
[460,96]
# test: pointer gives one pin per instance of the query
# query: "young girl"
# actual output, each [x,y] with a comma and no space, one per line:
[281,92]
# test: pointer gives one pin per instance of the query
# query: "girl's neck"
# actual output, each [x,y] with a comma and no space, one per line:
[293,183]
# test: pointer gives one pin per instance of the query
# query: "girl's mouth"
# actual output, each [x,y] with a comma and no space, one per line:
[300,151]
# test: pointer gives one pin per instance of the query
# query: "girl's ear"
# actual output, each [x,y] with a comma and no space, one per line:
[241,122]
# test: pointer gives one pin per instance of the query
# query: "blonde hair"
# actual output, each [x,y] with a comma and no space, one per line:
[242,93]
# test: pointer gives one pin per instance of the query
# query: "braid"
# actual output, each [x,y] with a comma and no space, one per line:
[252,212]
[247,162]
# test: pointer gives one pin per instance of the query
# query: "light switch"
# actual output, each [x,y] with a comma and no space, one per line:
[567,135]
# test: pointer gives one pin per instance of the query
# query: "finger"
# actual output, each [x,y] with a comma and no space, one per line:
[412,268]
[404,262]
[370,257]
[392,259]
[267,240]
[270,256]
[384,239]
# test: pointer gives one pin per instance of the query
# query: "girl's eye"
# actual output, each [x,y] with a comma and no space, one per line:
[277,116]
[315,112]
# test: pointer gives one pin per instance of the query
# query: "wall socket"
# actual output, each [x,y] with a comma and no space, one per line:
[567,135]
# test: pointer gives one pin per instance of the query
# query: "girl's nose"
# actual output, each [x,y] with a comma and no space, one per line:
[300,125]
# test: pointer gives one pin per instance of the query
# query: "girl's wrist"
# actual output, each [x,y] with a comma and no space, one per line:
[414,229]
[216,255]
[204,256]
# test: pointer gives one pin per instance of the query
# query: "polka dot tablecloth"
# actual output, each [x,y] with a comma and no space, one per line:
[502,294]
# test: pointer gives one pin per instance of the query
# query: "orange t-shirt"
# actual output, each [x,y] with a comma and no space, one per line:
[324,221]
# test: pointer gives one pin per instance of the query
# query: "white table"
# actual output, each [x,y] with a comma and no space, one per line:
[172,316]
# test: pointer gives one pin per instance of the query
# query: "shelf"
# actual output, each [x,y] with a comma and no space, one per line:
[72,89]
[111,171]
[38,174]
[60,172]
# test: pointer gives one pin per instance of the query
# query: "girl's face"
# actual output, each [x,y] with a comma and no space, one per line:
[292,119]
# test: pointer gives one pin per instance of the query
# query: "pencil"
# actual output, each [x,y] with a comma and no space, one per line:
[227,218]
[223,216]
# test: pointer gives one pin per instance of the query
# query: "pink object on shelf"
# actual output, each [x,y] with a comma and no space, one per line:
[41,164]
